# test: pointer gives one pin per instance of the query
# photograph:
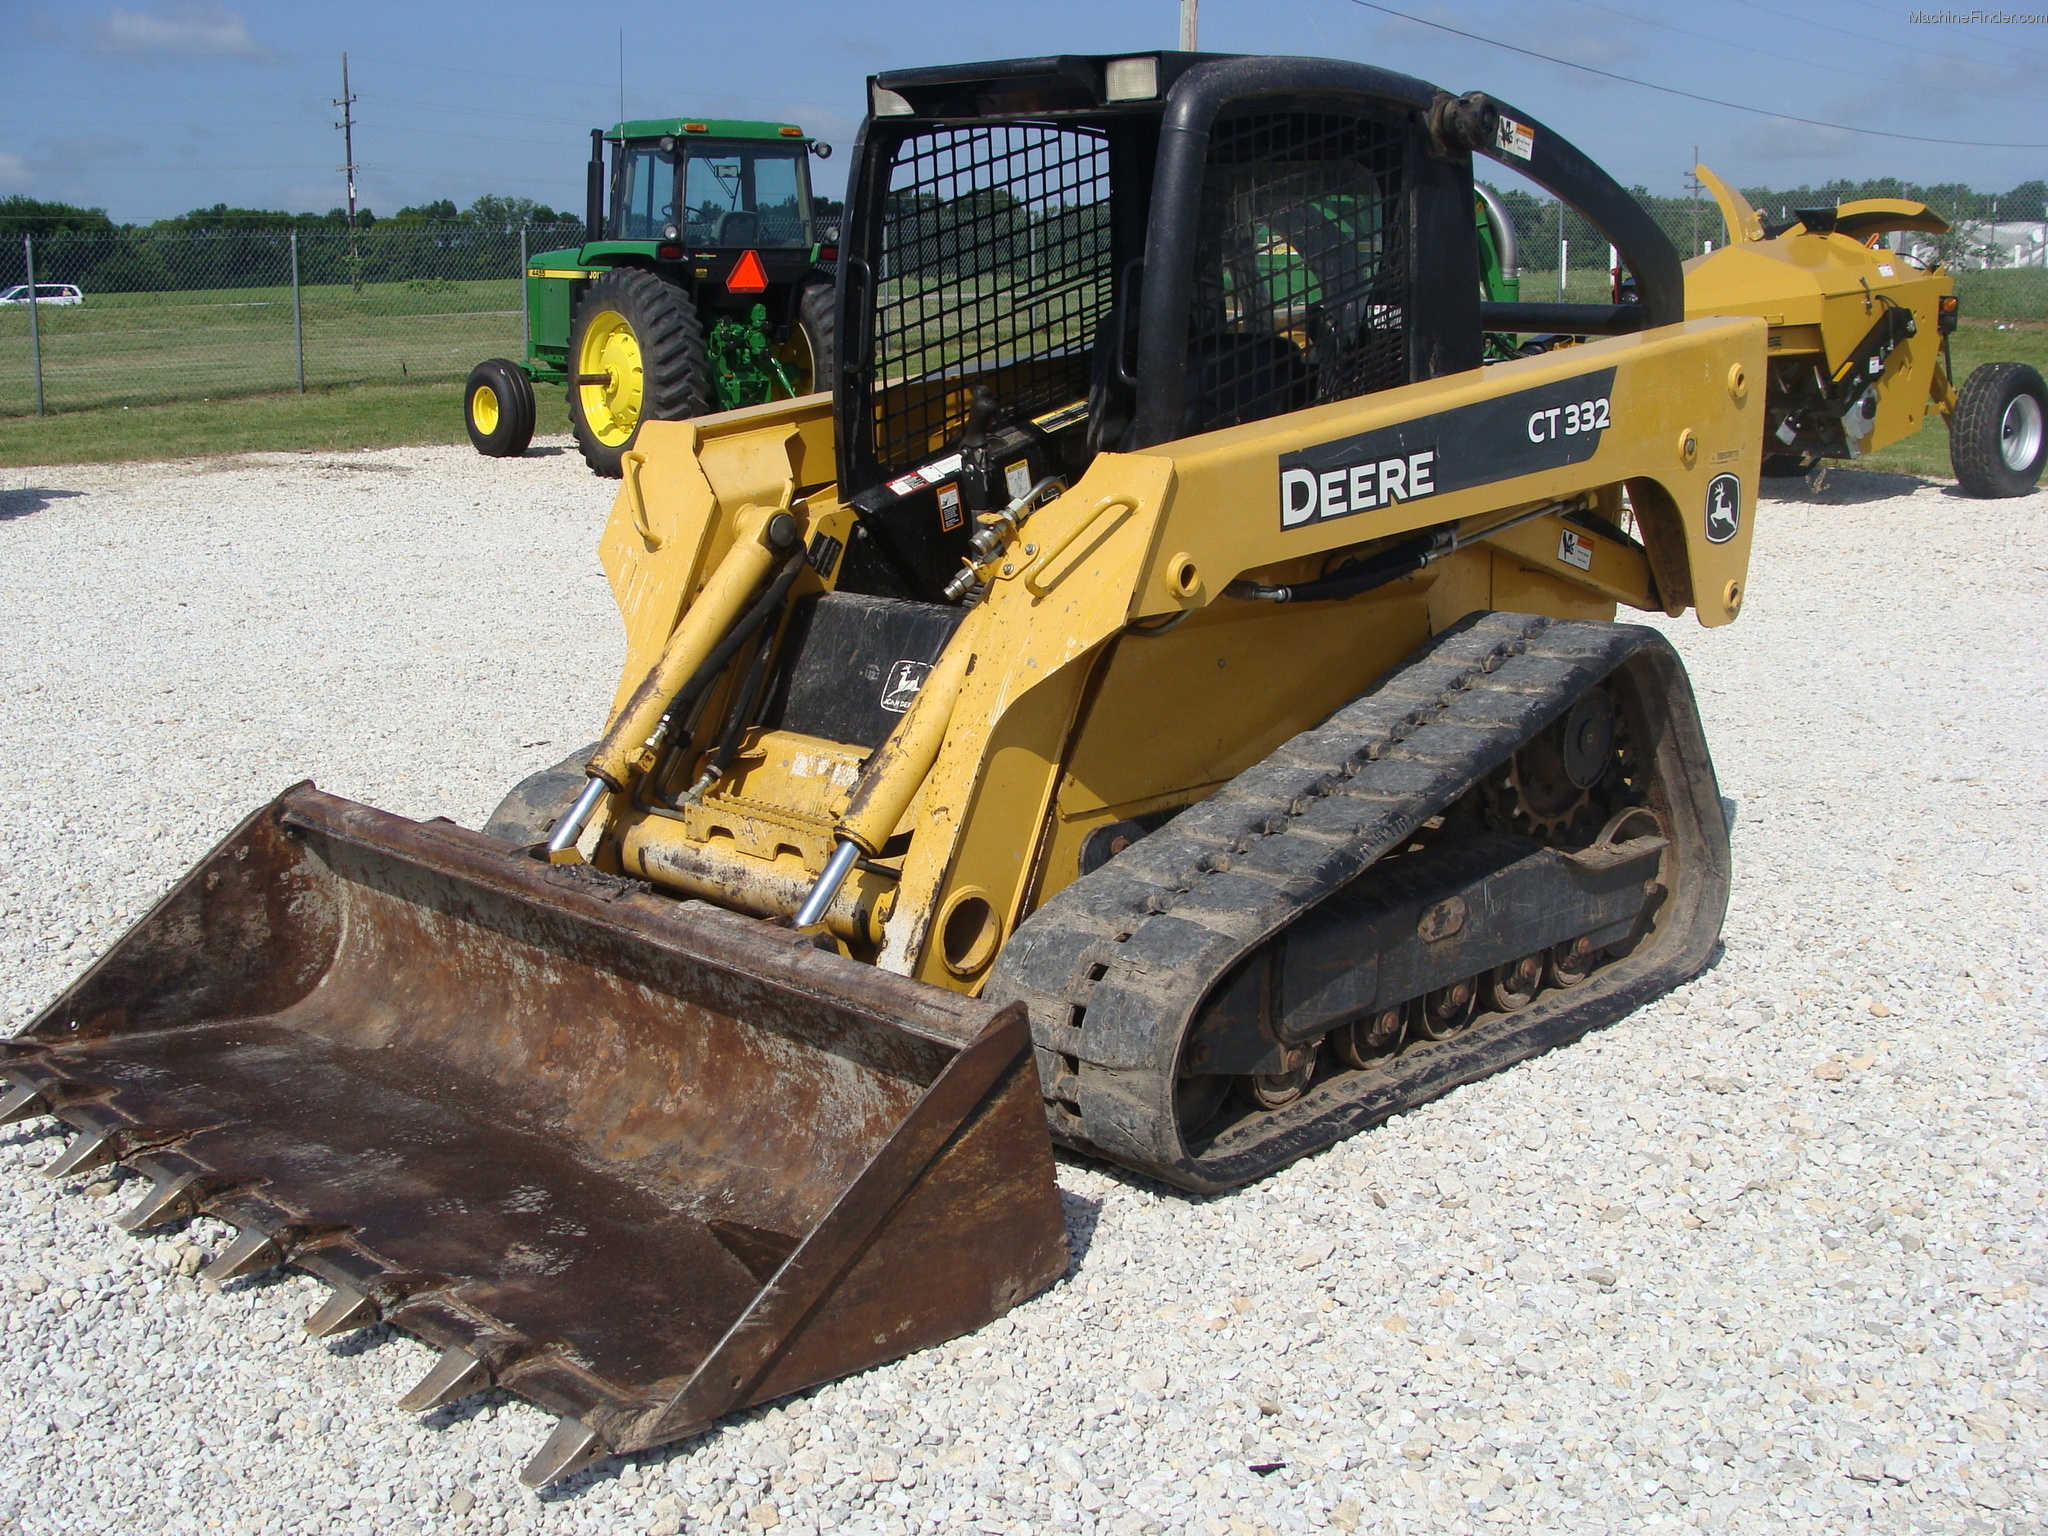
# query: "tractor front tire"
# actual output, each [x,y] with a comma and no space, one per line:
[811,354]
[636,354]
[1998,434]
[498,408]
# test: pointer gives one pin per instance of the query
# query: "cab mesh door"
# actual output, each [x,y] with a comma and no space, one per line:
[1301,292]
[995,269]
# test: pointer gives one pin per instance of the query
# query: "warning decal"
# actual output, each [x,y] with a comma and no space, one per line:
[1517,139]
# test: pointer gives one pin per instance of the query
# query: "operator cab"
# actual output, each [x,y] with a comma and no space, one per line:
[1050,258]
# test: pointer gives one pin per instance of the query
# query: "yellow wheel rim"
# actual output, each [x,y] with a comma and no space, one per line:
[483,409]
[611,409]
[795,357]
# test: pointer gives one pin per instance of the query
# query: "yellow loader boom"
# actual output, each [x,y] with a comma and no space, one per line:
[1166,698]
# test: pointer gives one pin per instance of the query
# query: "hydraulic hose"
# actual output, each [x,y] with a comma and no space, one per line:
[715,661]
[1376,570]
[722,653]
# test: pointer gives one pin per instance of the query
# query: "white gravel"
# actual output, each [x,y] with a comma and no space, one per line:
[1766,1256]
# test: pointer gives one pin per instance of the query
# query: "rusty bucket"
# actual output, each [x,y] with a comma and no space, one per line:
[642,1162]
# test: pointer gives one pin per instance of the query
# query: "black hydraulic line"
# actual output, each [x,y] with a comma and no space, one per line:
[742,713]
[1353,577]
[722,653]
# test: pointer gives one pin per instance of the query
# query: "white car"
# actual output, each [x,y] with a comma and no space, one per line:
[46,293]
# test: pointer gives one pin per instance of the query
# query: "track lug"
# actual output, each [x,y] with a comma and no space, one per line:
[455,1375]
[22,1102]
[168,1199]
[91,1149]
[343,1312]
[246,1255]
[572,1447]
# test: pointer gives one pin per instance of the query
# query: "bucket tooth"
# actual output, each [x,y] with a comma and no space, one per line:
[90,1150]
[342,1312]
[169,1198]
[573,1446]
[24,1101]
[455,1375]
[246,1255]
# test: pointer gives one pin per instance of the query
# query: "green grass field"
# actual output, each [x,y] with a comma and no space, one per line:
[384,368]
[352,416]
[133,349]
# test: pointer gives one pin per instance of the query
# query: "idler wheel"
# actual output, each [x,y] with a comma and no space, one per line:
[1447,1010]
[1513,986]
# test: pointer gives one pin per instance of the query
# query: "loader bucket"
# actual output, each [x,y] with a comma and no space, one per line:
[640,1162]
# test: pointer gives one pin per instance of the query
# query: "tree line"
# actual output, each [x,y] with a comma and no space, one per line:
[227,247]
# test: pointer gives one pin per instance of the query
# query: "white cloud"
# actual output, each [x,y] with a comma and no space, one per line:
[201,27]
[1780,138]
[14,175]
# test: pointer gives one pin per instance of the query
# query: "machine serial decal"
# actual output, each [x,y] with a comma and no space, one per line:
[1547,427]
[1724,508]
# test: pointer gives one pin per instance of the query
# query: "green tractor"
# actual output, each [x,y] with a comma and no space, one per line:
[704,283]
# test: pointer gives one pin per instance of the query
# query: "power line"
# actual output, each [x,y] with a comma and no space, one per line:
[1764,53]
[1918,51]
[1712,101]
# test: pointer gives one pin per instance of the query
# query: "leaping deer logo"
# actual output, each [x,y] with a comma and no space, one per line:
[1724,509]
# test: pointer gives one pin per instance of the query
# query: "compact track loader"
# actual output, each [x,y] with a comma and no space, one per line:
[1166,694]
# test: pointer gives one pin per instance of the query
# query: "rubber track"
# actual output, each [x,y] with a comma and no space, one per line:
[1115,966]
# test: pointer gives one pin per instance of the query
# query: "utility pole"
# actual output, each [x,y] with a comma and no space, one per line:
[1694,185]
[347,125]
[1187,26]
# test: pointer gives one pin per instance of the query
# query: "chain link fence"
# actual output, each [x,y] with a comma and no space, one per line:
[164,316]
[2000,265]
[159,317]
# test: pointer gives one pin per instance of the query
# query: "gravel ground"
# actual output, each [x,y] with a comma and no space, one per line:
[1767,1255]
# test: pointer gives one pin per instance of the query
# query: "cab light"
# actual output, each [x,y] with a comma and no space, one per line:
[828,253]
[669,252]
[1131,79]
[791,133]
[1948,312]
[696,127]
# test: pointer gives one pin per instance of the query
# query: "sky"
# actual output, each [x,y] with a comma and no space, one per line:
[154,107]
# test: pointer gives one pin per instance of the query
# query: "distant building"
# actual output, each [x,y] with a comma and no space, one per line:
[2021,243]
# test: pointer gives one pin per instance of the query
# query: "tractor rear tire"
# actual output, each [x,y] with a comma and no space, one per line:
[640,343]
[810,354]
[1998,435]
[498,408]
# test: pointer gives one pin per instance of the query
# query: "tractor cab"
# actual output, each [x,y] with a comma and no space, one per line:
[717,190]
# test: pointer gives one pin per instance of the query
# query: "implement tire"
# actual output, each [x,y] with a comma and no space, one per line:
[498,408]
[639,343]
[1998,436]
